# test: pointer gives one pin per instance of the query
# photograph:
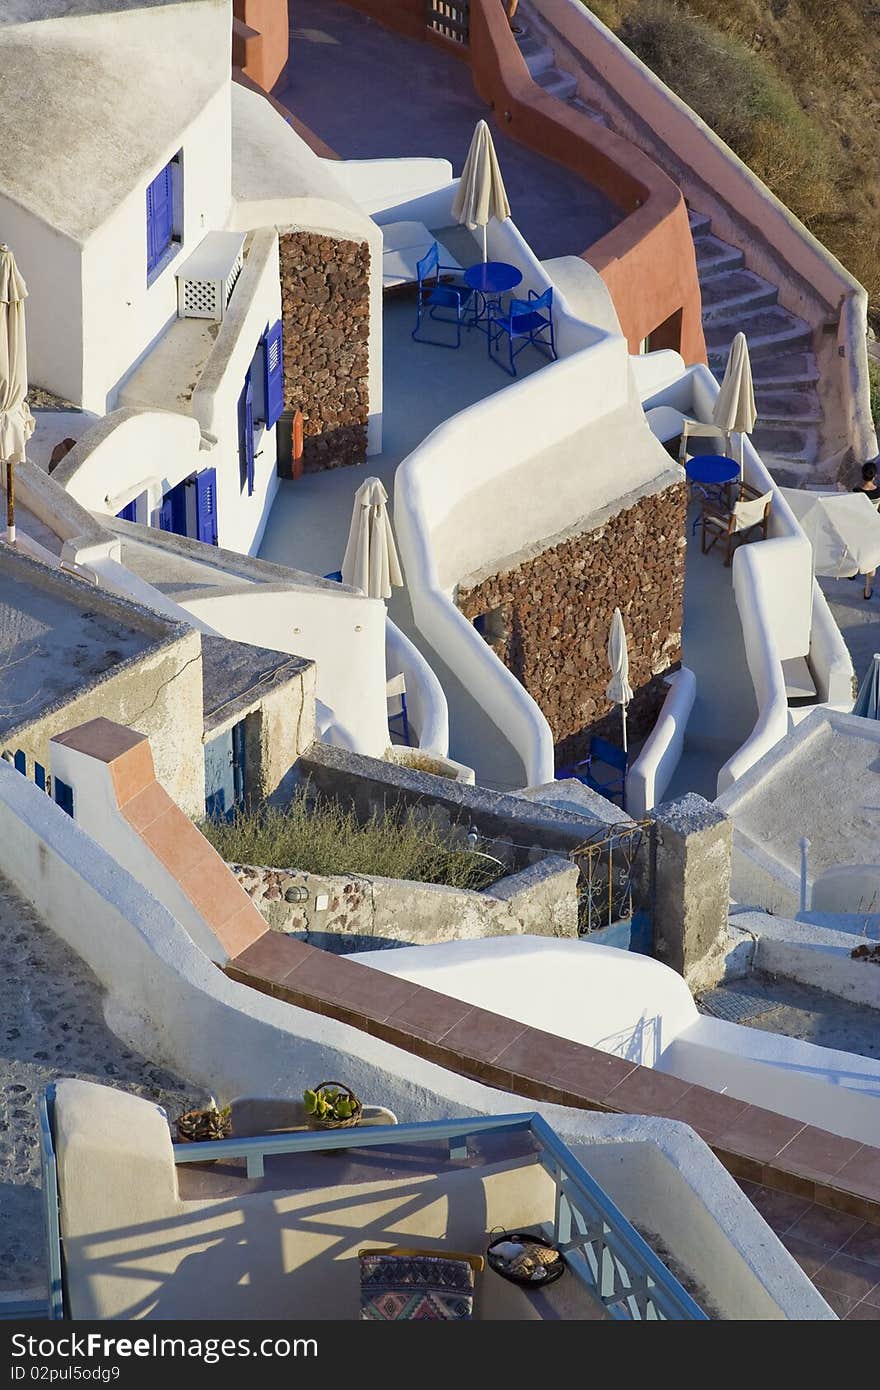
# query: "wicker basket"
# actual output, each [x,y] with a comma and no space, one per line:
[200,1126]
[540,1263]
[357,1108]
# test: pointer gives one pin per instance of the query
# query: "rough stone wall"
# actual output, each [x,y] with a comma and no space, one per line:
[554,613]
[360,913]
[325,308]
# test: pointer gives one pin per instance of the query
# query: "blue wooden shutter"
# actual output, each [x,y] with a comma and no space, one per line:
[246,435]
[206,506]
[40,776]
[129,513]
[160,217]
[20,762]
[273,356]
[166,514]
[63,795]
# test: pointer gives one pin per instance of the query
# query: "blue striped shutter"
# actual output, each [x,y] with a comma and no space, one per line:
[206,506]
[273,354]
[160,217]
[246,435]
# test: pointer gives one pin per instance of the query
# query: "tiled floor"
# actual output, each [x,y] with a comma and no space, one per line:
[840,1253]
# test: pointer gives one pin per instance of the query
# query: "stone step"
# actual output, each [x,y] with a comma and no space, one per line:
[734,291]
[785,441]
[789,472]
[577,104]
[766,330]
[786,369]
[556,83]
[715,257]
[701,223]
[797,406]
[538,55]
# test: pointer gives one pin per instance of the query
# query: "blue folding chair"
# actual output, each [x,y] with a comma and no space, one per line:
[615,759]
[529,319]
[434,296]
[398,722]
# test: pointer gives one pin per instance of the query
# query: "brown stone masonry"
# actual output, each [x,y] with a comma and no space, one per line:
[549,619]
[325,307]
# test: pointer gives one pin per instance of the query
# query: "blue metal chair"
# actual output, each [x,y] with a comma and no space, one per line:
[398,722]
[434,296]
[530,319]
[615,759]
[335,575]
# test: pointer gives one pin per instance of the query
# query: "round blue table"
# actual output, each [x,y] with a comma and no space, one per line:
[490,280]
[710,474]
[711,470]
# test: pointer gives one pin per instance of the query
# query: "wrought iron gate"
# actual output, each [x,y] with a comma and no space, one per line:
[449,18]
[615,875]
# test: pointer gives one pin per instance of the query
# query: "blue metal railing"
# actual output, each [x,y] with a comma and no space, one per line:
[602,1248]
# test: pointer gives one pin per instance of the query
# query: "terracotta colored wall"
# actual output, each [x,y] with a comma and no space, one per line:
[557,609]
[260,39]
[648,260]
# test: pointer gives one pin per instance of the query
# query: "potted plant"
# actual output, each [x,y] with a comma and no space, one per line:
[211,1122]
[332,1105]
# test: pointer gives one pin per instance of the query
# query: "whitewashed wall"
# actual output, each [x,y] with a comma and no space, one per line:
[167,999]
[122,315]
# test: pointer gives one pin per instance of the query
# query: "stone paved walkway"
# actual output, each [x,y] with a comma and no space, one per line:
[51,1026]
[839,1252]
[798,1011]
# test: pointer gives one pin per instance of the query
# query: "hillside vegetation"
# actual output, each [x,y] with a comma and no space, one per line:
[793,86]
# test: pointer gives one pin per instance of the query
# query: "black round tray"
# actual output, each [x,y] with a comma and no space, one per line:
[554,1271]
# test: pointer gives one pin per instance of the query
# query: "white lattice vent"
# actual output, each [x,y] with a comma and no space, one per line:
[206,279]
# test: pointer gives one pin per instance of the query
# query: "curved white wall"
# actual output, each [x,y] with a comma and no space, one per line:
[427,710]
[651,772]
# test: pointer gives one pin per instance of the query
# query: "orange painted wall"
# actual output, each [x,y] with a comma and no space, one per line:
[260,39]
[648,260]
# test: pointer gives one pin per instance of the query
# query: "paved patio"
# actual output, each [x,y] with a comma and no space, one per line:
[857,618]
[373,94]
[725,710]
[309,523]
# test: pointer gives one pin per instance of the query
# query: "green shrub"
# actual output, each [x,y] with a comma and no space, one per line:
[325,838]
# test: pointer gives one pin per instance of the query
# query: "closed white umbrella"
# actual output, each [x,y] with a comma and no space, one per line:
[868,699]
[481,194]
[734,410]
[371,561]
[619,689]
[843,529]
[16,421]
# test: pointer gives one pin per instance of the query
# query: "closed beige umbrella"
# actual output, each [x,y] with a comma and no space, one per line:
[619,689]
[16,421]
[371,562]
[480,194]
[734,409]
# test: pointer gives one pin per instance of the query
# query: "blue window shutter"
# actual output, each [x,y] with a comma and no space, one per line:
[160,217]
[20,762]
[273,354]
[40,776]
[246,435]
[63,795]
[166,517]
[206,505]
[129,513]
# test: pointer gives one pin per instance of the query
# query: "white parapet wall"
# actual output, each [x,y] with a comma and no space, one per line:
[170,1001]
[652,771]
[635,1007]
[782,610]
[480,450]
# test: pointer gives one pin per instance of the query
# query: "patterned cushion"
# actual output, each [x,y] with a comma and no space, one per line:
[400,1288]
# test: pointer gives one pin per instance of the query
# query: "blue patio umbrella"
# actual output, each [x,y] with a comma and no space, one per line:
[868,699]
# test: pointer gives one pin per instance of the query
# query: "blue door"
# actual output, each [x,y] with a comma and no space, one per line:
[246,435]
[206,506]
[224,772]
[172,514]
[219,775]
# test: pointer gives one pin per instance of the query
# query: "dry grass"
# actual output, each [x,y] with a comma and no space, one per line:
[874,378]
[326,838]
[792,86]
